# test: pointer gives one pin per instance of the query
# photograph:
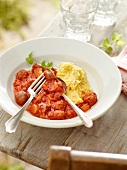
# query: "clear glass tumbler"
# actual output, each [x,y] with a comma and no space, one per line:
[105,15]
[78,16]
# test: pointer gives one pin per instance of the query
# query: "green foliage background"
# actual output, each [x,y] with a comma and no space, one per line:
[13,15]
[15,166]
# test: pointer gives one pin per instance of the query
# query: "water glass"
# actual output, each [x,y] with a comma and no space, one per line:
[105,15]
[78,16]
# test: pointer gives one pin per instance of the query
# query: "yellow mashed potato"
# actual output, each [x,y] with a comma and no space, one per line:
[75,79]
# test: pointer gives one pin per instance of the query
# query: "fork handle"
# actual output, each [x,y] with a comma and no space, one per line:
[12,124]
[84,118]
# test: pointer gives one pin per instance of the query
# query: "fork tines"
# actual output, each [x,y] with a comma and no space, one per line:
[37,84]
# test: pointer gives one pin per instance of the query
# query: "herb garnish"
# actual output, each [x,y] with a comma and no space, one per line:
[112,45]
[29,59]
[44,64]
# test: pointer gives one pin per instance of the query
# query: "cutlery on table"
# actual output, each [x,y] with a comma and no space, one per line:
[84,118]
[12,124]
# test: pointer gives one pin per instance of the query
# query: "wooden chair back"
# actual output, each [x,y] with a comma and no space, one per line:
[63,158]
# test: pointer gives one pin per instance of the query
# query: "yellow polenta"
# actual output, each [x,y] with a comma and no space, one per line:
[75,79]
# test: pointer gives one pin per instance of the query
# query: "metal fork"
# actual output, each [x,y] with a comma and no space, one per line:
[12,124]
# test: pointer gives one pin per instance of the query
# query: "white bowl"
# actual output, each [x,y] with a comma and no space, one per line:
[103,75]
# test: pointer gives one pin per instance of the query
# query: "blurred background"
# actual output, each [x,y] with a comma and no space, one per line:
[21,20]
[24,19]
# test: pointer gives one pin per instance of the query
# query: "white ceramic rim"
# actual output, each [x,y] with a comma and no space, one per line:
[88,53]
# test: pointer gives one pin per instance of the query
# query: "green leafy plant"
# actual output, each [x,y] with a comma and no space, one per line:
[13,15]
[14,166]
[112,45]
[44,64]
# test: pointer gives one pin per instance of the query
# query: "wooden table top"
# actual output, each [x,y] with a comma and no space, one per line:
[109,133]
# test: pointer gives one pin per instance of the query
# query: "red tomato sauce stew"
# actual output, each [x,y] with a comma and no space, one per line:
[49,103]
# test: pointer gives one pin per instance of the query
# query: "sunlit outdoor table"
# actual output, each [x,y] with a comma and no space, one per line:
[109,133]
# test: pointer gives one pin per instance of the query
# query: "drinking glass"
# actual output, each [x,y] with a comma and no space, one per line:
[105,15]
[78,16]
